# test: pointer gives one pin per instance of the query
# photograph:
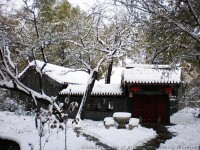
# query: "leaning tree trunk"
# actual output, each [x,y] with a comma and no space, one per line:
[109,72]
[88,91]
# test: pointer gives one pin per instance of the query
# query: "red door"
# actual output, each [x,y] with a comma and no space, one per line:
[150,108]
[162,108]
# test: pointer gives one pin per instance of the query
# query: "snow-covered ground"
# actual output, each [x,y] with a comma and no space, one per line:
[122,138]
[187,131]
[22,130]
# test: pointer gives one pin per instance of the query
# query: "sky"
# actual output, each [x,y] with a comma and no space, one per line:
[83,4]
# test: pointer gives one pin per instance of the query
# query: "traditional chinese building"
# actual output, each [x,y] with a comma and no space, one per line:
[149,92]
[105,99]
[153,91]
[54,79]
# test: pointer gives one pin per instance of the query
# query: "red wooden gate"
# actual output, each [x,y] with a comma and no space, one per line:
[150,108]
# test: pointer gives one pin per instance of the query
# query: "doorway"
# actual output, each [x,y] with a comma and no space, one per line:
[151,108]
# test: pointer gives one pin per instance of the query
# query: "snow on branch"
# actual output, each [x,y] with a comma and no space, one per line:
[75,43]
[9,74]
[6,84]
[2,75]
[9,58]
[178,23]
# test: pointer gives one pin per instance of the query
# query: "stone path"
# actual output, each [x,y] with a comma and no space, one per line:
[98,143]
[162,135]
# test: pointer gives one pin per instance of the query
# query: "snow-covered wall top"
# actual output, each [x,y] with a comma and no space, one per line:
[67,75]
[99,89]
[152,74]
[148,66]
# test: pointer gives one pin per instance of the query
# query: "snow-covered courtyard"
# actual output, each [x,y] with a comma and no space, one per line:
[186,130]
[21,129]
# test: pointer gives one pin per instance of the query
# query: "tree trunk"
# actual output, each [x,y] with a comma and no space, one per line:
[88,91]
[109,72]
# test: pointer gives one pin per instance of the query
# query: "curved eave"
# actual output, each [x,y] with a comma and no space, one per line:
[153,83]
[93,94]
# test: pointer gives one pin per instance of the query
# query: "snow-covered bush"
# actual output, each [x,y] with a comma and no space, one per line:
[46,121]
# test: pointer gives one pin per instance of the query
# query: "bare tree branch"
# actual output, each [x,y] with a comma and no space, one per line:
[193,12]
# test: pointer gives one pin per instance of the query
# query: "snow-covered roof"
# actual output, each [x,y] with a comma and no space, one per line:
[98,89]
[67,75]
[59,73]
[116,76]
[152,74]
[148,66]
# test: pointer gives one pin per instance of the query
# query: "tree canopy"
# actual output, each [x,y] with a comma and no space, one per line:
[171,30]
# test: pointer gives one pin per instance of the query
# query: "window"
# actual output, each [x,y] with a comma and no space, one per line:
[110,105]
[91,106]
[99,105]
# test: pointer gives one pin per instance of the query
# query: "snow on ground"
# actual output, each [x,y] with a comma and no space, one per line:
[121,138]
[22,130]
[187,131]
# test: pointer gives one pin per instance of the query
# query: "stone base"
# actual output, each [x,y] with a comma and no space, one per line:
[122,125]
[108,126]
[131,127]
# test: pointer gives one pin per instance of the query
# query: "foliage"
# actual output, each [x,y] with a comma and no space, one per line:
[171,30]
[170,33]
[85,40]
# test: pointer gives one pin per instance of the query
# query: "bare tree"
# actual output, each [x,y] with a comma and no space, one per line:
[93,44]
[96,44]
[181,17]
[25,39]
[172,29]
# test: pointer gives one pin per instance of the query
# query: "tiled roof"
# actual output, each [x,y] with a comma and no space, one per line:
[67,75]
[98,89]
[151,74]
